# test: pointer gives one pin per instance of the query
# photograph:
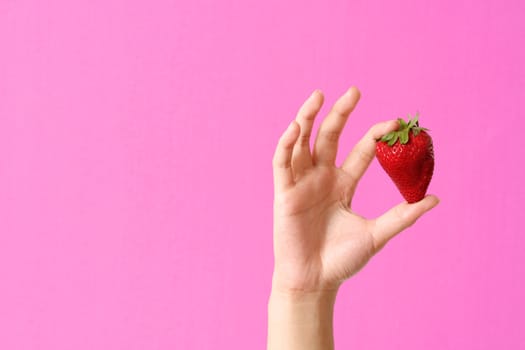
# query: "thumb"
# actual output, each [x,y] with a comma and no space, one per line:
[399,218]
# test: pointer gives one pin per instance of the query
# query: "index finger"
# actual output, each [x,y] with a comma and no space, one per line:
[365,150]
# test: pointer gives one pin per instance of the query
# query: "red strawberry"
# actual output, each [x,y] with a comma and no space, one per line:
[407,155]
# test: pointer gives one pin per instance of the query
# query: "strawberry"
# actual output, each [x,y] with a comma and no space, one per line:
[407,155]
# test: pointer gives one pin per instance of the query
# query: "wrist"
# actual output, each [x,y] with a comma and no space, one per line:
[301,320]
[302,307]
[293,284]
[303,297]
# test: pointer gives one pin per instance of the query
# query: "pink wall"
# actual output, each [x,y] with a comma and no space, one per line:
[135,182]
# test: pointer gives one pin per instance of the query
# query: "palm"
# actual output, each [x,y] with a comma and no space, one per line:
[318,240]
[319,230]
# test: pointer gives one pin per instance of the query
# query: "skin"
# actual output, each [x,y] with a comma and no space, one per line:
[319,242]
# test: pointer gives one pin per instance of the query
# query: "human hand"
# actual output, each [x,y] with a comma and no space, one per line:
[318,240]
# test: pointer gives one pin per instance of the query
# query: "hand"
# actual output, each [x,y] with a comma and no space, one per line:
[318,240]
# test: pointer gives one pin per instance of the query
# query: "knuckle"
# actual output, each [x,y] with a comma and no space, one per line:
[399,214]
[330,135]
[365,156]
[307,116]
[341,112]
[304,140]
[404,218]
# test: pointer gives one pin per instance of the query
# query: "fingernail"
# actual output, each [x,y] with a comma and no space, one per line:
[437,200]
[353,89]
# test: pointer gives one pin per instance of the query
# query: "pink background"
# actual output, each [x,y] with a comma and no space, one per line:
[135,181]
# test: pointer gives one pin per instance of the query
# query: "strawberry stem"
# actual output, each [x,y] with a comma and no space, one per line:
[403,131]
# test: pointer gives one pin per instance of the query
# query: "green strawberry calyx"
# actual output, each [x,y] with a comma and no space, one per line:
[403,131]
